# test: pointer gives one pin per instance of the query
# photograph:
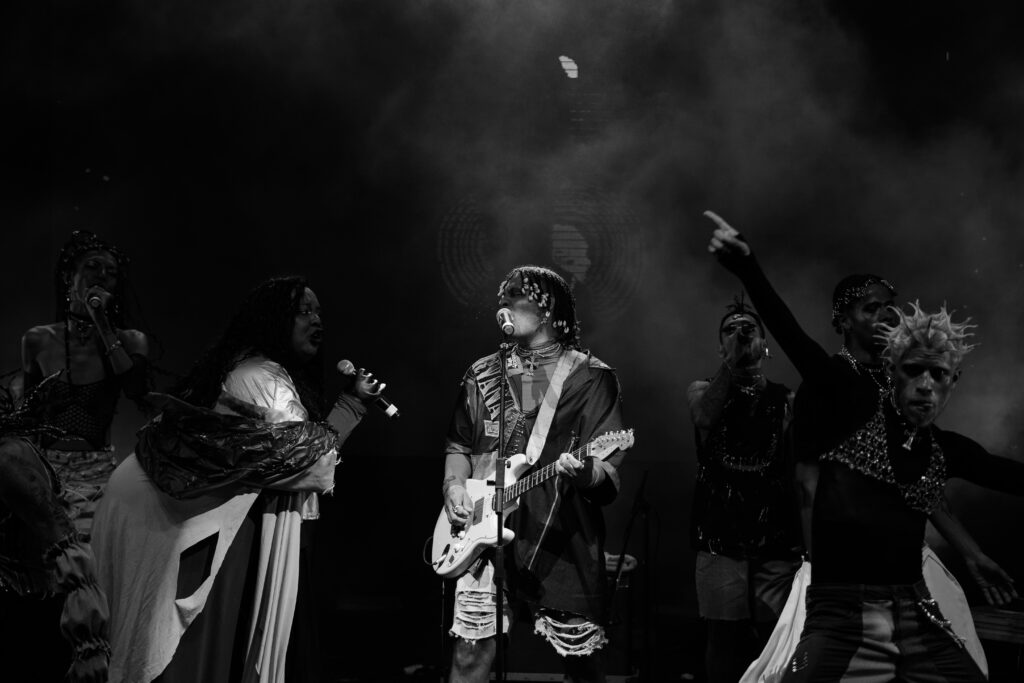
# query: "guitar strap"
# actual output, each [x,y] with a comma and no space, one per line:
[539,436]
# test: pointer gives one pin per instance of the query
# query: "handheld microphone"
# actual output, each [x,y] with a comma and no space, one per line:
[94,302]
[504,318]
[346,367]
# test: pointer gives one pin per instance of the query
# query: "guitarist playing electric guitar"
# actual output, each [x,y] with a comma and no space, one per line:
[559,398]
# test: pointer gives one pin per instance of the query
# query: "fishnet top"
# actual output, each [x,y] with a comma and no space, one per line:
[84,410]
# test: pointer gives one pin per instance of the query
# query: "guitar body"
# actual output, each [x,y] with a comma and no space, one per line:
[454,549]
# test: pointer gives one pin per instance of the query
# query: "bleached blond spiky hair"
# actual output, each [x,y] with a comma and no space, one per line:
[934,331]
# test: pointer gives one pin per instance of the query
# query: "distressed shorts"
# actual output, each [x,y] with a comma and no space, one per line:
[474,617]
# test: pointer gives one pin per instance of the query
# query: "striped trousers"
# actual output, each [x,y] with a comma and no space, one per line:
[877,634]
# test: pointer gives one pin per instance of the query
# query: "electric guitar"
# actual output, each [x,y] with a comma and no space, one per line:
[455,547]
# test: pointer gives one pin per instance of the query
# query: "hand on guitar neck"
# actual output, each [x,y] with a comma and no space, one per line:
[581,474]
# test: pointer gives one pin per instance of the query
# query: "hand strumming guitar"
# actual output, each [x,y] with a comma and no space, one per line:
[458,504]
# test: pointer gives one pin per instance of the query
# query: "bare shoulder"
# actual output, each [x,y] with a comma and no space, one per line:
[40,335]
[39,338]
[697,388]
[135,342]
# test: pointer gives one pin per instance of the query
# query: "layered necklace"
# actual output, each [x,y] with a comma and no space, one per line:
[531,358]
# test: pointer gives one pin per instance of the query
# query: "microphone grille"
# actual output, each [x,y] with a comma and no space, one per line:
[346,367]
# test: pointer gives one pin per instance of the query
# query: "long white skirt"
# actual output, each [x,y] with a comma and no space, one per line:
[769,667]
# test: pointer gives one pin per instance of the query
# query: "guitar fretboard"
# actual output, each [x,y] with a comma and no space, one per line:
[539,477]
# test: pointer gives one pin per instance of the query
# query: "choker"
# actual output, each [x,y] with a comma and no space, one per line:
[82,329]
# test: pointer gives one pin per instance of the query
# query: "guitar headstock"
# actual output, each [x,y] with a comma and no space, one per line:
[609,442]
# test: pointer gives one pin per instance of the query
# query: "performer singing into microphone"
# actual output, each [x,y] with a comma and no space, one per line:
[556,564]
[198,540]
[95,358]
[743,527]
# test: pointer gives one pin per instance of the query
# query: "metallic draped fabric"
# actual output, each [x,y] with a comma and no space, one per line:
[22,569]
[188,451]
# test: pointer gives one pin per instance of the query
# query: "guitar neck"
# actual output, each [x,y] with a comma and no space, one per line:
[539,477]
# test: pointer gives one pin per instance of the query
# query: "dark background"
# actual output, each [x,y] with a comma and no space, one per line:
[404,154]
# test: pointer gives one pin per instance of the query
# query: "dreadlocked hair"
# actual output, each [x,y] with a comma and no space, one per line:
[933,331]
[553,295]
[262,326]
[81,243]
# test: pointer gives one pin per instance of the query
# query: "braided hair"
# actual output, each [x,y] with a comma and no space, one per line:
[81,243]
[553,295]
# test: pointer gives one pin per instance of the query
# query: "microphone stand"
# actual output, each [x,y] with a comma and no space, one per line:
[640,506]
[499,509]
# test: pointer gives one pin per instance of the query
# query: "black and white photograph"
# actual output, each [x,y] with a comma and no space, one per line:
[598,341]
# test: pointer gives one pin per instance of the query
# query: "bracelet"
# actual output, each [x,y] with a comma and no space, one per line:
[114,347]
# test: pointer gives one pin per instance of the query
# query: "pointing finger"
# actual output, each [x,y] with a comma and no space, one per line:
[717,219]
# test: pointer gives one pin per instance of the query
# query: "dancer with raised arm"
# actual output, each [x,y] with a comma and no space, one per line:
[878,476]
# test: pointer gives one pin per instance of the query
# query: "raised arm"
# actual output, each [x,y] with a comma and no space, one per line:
[129,358]
[733,252]
[707,399]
